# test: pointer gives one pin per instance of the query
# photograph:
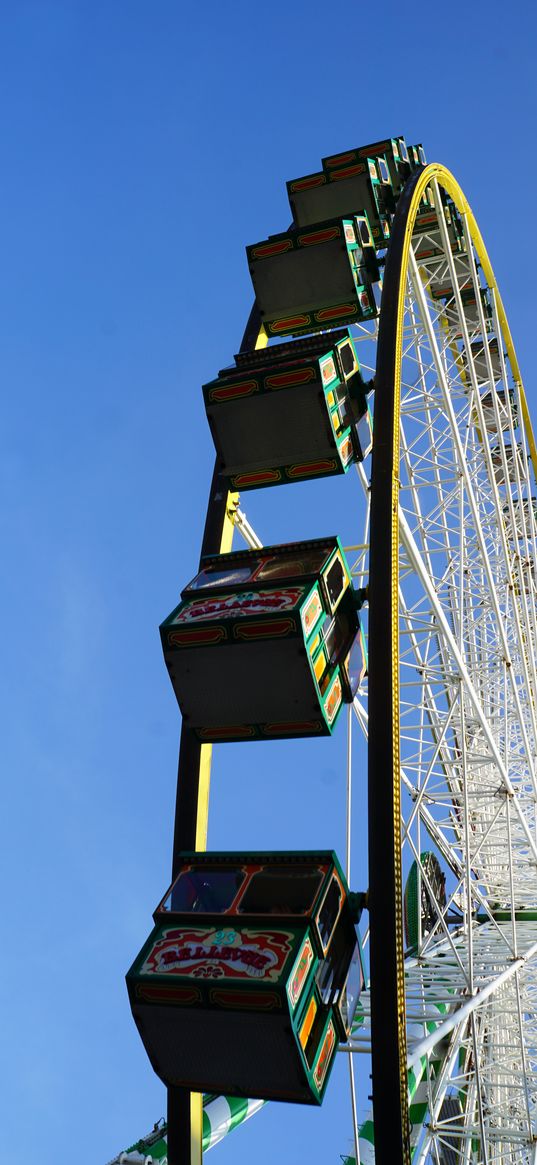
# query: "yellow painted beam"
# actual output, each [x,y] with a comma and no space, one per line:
[196,1128]
[202,814]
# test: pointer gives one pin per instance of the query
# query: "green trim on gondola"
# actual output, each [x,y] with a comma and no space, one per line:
[256,947]
[293,415]
[315,278]
[420,912]
[295,610]
[394,150]
[362,185]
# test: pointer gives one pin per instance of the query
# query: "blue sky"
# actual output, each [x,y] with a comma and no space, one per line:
[143,146]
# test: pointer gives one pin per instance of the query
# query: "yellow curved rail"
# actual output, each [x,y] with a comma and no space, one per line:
[395,943]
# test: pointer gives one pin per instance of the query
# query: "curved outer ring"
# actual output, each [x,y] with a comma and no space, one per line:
[389,1058]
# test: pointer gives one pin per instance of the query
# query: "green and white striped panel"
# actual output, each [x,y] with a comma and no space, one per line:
[417,1097]
[221,1114]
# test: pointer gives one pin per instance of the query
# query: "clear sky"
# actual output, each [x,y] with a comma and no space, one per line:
[143,146]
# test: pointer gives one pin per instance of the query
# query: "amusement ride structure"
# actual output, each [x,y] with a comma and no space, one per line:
[378,344]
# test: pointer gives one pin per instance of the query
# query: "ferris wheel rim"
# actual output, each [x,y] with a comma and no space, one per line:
[389,1050]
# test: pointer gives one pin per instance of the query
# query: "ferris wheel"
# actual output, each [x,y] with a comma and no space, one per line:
[456,442]
[393,262]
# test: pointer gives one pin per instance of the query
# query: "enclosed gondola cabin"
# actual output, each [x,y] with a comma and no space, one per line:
[472,311]
[508,464]
[440,284]
[316,278]
[488,370]
[427,233]
[289,412]
[363,185]
[393,150]
[266,643]
[251,975]
[424,898]
[417,157]
[499,413]
[524,513]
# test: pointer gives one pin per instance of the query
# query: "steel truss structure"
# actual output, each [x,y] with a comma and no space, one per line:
[451,476]
[449,707]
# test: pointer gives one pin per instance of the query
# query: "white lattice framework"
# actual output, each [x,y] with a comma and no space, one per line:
[468,633]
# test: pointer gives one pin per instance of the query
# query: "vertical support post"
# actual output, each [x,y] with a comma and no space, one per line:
[185,1109]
